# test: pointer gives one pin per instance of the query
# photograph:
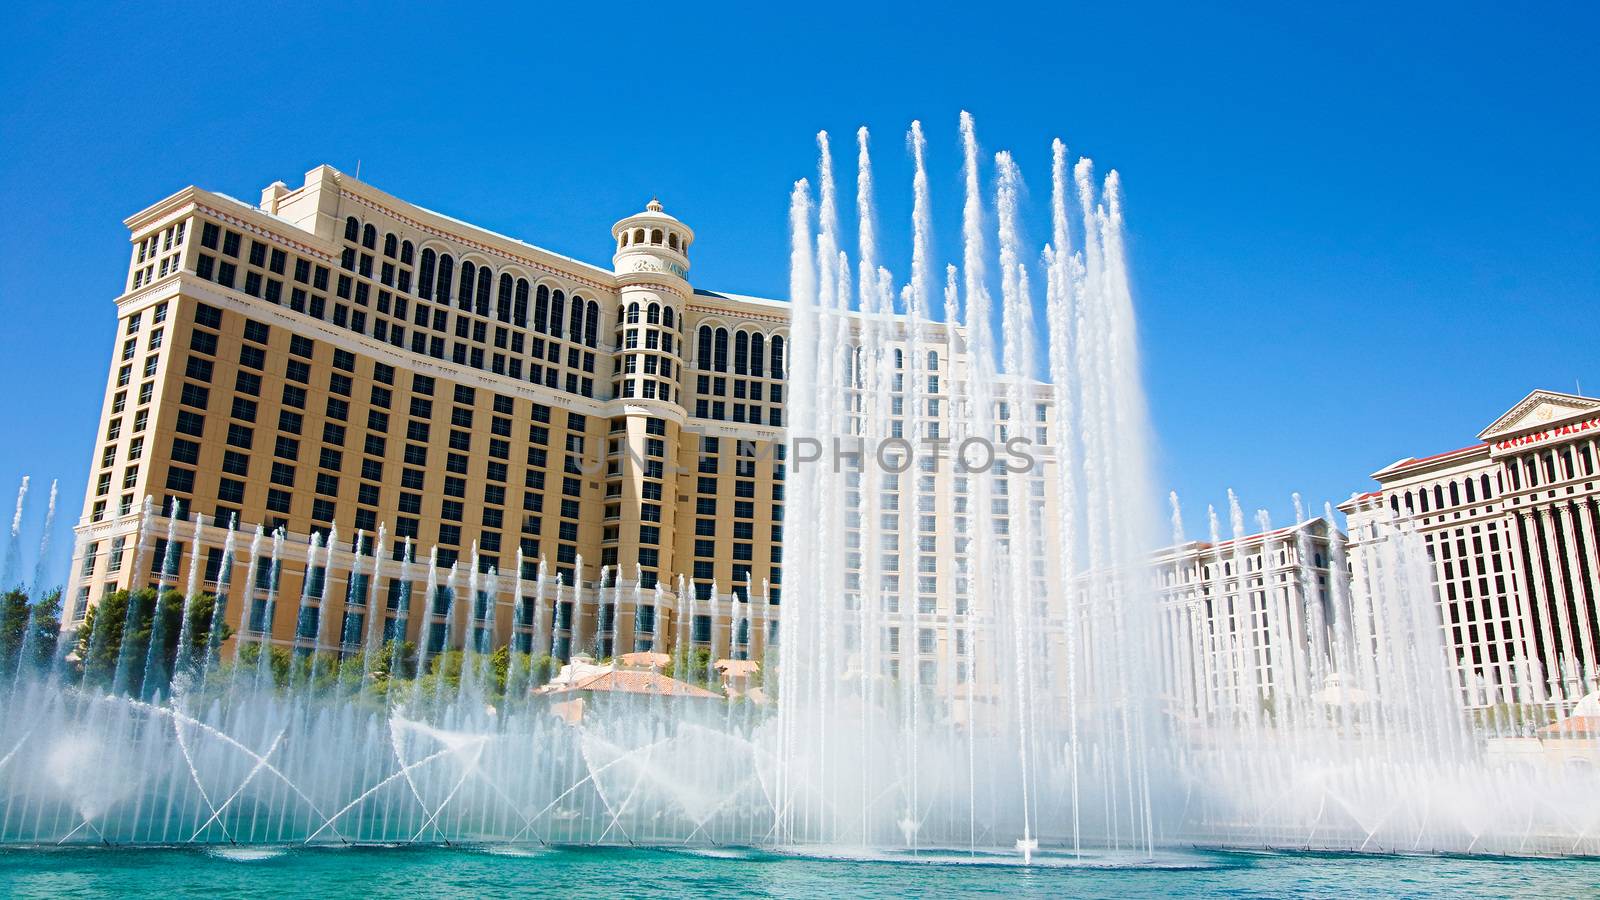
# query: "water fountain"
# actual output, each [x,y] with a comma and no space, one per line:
[1024,717]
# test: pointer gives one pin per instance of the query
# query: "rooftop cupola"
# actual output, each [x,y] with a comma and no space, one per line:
[652,243]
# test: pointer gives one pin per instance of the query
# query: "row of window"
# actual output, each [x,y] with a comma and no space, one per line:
[307,294]
[292,424]
[753,353]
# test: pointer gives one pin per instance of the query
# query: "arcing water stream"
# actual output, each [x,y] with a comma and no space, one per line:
[1010,695]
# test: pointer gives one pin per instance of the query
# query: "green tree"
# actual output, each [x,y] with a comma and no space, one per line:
[28,630]
[122,626]
[45,626]
[247,661]
[15,614]
[694,668]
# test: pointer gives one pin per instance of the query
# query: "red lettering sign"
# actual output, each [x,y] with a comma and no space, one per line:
[1541,436]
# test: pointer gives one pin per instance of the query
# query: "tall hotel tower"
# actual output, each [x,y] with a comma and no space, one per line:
[338,362]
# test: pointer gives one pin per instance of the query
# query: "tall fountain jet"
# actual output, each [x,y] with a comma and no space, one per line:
[884,750]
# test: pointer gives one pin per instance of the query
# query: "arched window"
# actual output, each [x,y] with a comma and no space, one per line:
[519,310]
[633,313]
[447,272]
[575,323]
[1455,494]
[591,324]
[1484,482]
[352,229]
[469,274]
[502,304]
[672,240]
[741,354]
[425,275]
[541,307]
[777,356]
[391,245]
[655,235]
[899,358]
[666,317]
[485,282]
[757,354]
[1438,497]
[369,237]
[933,360]
[558,311]
[622,241]
[652,315]
[405,252]
[720,351]
[1394,504]
[1471,492]
[705,348]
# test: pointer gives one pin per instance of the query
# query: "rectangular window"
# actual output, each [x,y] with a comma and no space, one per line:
[180,479]
[191,423]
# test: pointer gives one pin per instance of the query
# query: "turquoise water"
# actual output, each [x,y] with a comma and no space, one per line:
[616,872]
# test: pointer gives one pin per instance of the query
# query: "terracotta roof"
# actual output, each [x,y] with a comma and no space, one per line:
[737,668]
[637,681]
[1574,726]
[1411,461]
[1422,459]
[644,659]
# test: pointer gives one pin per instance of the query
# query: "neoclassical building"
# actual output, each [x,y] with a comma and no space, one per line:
[1509,523]
[423,411]
[338,363]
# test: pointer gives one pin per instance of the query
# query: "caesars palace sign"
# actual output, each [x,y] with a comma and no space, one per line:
[1539,437]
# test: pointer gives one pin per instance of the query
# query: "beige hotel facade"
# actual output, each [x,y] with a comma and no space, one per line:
[336,361]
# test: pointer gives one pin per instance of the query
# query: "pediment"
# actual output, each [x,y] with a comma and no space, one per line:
[1539,411]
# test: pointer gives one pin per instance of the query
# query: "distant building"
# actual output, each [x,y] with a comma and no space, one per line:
[1246,617]
[1510,525]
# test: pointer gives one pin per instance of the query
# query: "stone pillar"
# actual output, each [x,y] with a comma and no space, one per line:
[1534,589]
[1575,589]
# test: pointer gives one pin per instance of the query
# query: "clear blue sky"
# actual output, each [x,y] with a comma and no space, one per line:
[1358,232]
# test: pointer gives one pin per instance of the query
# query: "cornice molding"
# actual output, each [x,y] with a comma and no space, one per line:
[237,221]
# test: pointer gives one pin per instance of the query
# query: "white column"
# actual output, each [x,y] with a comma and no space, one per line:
[1533,588]
[1571,650]
[1574,576]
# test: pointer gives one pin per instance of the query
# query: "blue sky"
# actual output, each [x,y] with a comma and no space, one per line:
[1358,232]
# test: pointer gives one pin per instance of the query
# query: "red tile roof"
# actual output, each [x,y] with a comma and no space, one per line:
[1574,727]
[1422,459]
[637,681]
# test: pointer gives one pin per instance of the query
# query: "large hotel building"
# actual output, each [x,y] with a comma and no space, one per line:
[336,360]
[1510,524]
[336,363]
